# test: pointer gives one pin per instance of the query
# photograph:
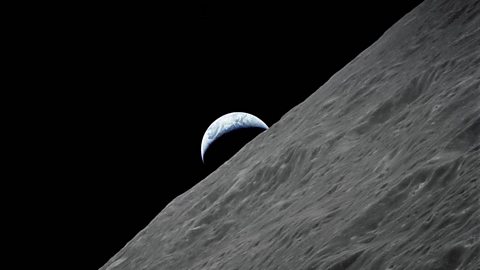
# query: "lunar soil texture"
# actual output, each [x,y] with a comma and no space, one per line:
[378,169]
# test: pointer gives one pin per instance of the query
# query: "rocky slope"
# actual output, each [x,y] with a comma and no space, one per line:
[378,169]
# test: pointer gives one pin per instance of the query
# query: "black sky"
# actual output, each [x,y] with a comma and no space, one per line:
[135,87]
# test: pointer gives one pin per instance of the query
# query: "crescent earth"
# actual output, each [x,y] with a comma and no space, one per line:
[227,123]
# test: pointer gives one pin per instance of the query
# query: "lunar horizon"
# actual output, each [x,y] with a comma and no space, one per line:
[377,169]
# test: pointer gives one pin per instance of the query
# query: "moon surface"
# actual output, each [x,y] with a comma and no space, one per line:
[378,169]
[227,123]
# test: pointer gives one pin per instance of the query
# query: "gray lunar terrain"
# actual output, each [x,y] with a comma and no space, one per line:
[378,169]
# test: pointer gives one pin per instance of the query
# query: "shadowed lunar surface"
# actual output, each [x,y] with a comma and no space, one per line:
[378,169]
